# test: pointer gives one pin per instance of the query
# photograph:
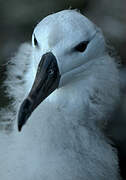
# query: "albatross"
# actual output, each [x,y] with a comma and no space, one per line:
[65,89]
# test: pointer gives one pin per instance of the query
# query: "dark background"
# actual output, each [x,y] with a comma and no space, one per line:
[19,17]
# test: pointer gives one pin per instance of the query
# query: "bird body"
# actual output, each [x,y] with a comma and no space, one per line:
[64,138]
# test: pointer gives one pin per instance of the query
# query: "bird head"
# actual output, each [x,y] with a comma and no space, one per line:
[64,45]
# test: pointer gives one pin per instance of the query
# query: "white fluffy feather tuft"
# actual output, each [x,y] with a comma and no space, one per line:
[15,82]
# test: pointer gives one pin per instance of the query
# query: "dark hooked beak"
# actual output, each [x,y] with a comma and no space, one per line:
[46,81]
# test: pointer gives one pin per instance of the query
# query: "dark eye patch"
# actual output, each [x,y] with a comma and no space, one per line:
[35,41]
[81,46]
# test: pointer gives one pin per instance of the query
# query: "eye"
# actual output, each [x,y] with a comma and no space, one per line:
[82,46]
[35,41]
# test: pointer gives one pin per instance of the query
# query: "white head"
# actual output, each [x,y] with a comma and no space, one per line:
[65,44]
[71,37]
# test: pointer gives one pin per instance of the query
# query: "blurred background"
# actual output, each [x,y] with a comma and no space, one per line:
[18,19]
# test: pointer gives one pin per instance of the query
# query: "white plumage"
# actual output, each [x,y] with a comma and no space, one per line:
[64,138]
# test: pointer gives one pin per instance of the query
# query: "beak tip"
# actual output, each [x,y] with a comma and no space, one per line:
[19,127]
[23,114]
